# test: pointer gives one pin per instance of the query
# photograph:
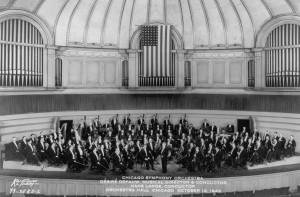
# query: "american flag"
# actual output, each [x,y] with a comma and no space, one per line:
[156,50]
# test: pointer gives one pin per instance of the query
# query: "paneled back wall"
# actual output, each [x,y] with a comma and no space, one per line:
[21,104]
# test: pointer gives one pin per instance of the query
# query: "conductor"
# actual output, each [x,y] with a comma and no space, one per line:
[164,157]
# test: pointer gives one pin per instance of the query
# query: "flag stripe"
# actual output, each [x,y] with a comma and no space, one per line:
[156,43]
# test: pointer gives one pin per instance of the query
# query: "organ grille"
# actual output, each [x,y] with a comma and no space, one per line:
[282,57]
[21,54]
[157,80]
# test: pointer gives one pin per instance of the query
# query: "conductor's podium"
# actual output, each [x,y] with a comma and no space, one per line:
[17,165]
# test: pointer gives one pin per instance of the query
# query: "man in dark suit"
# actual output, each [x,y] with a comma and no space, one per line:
[241,158]
[290,146]
[147,157]
[118,161]
[230,128]
[15,153]
[23,144]
[164,157]
[126,120]
[282,142]
[30,154]
[114,124]
[41,150]
[214,128]
[205,125]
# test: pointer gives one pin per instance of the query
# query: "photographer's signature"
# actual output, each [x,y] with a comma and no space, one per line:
[24,186]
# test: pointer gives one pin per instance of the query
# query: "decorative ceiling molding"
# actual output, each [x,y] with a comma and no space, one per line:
[250,16]
[87,23]
[270,11]
[104,22]
[37,7]
[291,6]
[240,21]
[206,20]
[223,21]
[71,19]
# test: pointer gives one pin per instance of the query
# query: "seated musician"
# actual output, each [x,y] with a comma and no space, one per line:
[23,145]
[243,133]
[267,145]
[249,148]
[282,142]
[150,148]
[232,155]
[104,157]
[198,158]
[33,139]
[122,135]
[61,151]
[230,128]
[147,158]
[81,157]
[15,152]
[53,156]
[118,162]
[30,154]
[290,146]
[275,151]
[257,156]
[218,158]
[209,157]
[95,160]
[265,136]
[241,159]
[128,157]
[41,149]
[71,160]
[50,140]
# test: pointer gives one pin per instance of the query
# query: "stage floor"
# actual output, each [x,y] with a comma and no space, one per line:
[142,171]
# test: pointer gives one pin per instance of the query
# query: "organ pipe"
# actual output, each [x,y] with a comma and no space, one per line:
[282,57]
[21,50]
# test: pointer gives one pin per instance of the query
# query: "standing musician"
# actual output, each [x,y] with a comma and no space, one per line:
[126,120]
[154,121]
[230,128]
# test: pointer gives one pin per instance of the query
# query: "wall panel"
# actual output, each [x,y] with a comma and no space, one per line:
[235,72]
[219,72]
[75,71]
[93,72]
[202,71]
[20,104]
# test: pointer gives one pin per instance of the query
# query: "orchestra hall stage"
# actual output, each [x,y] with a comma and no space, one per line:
[122,97]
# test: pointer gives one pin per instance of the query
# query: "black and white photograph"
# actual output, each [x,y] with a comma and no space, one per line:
[149,98]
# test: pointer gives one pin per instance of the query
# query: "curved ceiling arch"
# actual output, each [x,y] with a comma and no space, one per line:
[111,23]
